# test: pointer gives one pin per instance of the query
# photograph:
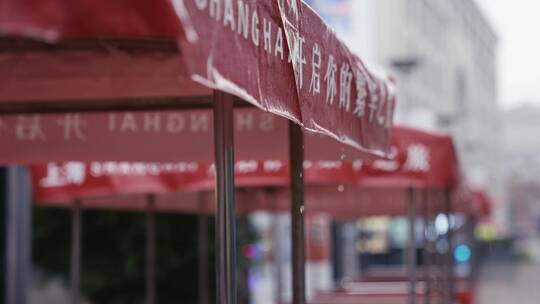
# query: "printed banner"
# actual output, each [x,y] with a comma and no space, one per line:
[163,136]
[421,160]
[280,56]
[276,54]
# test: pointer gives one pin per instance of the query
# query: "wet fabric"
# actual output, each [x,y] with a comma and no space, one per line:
[278,55]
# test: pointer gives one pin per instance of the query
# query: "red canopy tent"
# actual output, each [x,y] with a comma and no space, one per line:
[63,56]
[105,55]
[420,160]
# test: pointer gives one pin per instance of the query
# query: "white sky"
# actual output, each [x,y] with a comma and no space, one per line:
[517,23]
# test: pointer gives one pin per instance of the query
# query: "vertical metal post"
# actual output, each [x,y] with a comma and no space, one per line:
[276,248]
[202,245]
[296,155]
[438,257]
[18,236]
[474,250]
[411,248]
[450,253]
[150,250]
[337,255]
[427,247]
[76,244]
[225,215]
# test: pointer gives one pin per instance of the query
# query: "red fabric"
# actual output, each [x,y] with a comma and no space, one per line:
[82,75]
[422,158]
[482,203]
[465,297]
[165,136]
[343,188]
[347,102]
[55,19]
[340,203]
[284,88]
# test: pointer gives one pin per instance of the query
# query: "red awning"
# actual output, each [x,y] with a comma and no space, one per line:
[482,204]
[342,187]
[162,136]
[278,55]
[419,159]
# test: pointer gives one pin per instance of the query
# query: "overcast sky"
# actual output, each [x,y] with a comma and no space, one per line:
[517,23]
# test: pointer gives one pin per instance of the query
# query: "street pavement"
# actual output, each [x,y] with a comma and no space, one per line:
[509,283]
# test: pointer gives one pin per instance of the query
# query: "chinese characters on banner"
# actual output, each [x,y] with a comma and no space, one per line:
[156,136]
[279,55]
[420,160]
[276,54]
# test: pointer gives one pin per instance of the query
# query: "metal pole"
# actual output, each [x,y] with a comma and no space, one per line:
[76,244]
[439,258]
[151,250]
[276,248]
[450,253]
[202,242]
[18,236]
[411,255]
[427,247]
[474,250]
[296,155]
[225,215]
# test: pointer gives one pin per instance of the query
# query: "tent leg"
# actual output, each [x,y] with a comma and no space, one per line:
[276,249]
[202,241]
[76,244]
[411,254]
[18,236]
[427,248]
[440,260]
[450,253]
[296,154]
[225,215]
[151,250]
[474,250]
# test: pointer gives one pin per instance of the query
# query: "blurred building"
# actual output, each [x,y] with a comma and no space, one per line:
[443,54]
[522,164]
[522,143]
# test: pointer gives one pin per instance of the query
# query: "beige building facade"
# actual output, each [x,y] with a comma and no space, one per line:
[443,54]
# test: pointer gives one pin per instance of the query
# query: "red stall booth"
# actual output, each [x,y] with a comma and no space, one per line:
[422,163]
[65,64]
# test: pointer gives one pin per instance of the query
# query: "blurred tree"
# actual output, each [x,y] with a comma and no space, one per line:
[113,255]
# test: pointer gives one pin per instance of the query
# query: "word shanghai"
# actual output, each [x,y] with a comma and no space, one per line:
[336,77]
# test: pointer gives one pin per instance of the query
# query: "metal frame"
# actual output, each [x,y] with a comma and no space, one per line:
[150,250]
[18,236]
[296,155]
[411,246]
[439,259]
[427,246]
[225,214]
[202,248]
[115,105]
[450,254]
[76,245]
